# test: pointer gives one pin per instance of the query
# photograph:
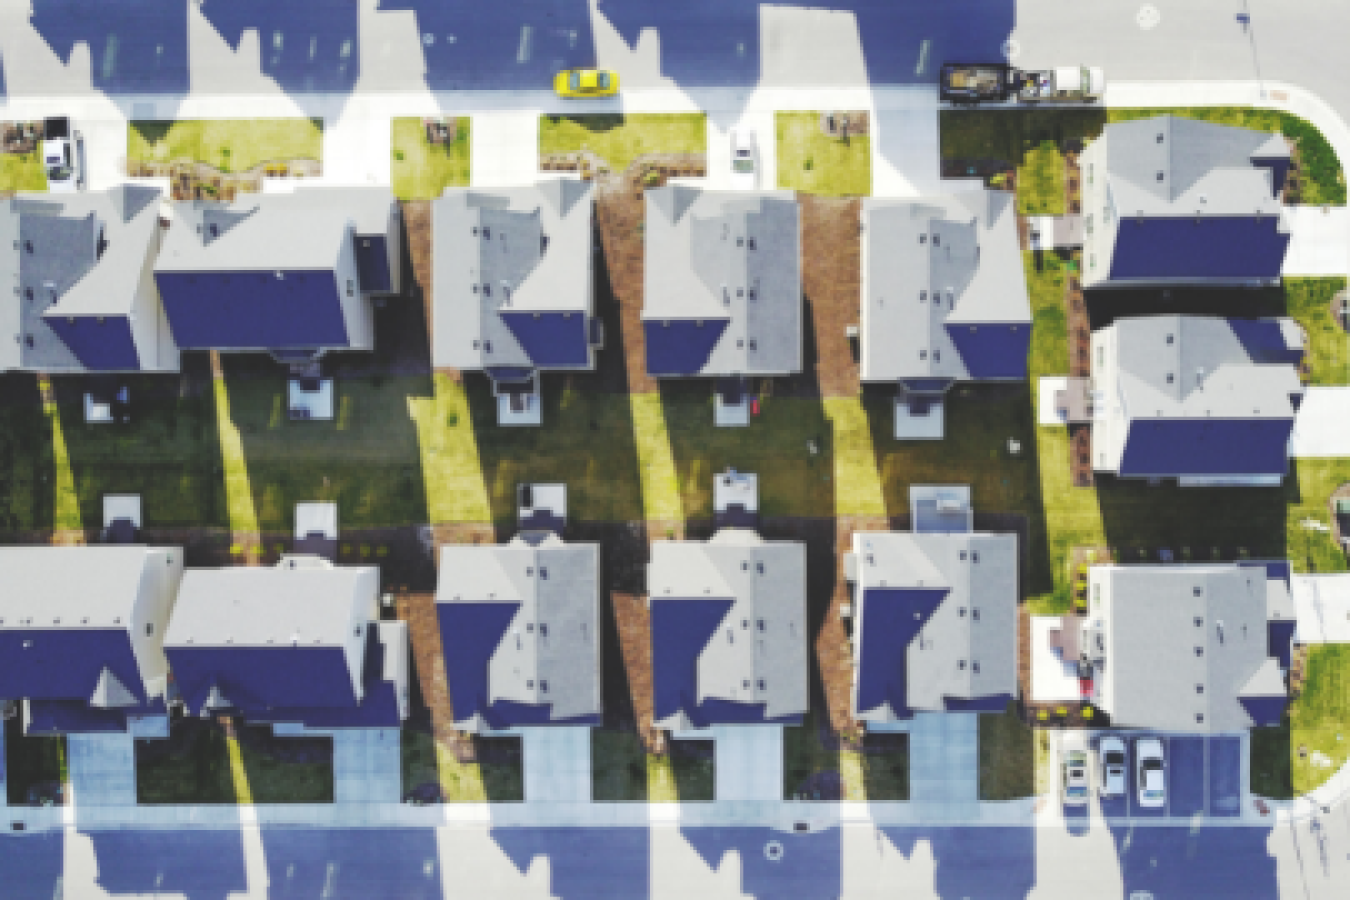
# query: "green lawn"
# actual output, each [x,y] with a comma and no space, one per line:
[221,770]
[623,772]
[1040,181]
[22,172]
[619,139]
[815,163]
[426,760]
[1319,720]
[422,170]
[1309,301]
[1324,175]
[231,145]
[1010,134]
[1007,757]
[868,776]
[31,760]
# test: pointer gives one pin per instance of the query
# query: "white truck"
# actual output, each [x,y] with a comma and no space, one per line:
[62,156]
[1065,83]
[970,84]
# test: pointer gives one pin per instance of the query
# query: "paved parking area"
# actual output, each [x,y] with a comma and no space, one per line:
[1203,778]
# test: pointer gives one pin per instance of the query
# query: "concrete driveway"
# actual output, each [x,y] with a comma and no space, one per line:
[102,769]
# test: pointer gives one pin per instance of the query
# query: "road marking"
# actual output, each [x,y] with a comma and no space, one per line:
[1148,17]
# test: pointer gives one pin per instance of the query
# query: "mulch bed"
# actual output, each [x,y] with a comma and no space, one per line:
[1080,455]
[831,283]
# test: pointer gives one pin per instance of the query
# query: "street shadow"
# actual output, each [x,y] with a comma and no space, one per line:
[135,46]
[352,864]
[994,863]
[168,452]
[34,865]
[1195,862]
[773,864]
[26,470]
[583,863]
[199,864]
[304,45]
[519,45]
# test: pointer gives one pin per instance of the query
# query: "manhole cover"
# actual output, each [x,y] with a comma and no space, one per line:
[773,851]
[1148,16]
[1011,49]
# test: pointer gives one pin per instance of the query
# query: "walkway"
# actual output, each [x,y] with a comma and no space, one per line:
[102,769]
[944,766]
[504,149]
[1319,241]
[1320,424]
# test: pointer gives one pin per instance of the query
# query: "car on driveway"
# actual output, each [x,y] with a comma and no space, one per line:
[586,83]
[1150,772]
[1111,764]
[744,170]
[1074,775]
[62,156]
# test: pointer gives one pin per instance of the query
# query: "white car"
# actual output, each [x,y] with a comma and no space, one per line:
[744,171]
[1074,776]
[1111,761]
[1150,772]
[62,156]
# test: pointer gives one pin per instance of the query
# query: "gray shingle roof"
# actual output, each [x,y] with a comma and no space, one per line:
[554,638]
[530,246]
[968,647]
[83,587]
[708,253]
[766,582]
[1183,642]
[69,271]
[932,261]
[301,599]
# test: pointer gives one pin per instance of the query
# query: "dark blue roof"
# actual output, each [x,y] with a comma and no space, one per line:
[253,309]
[888,625]
[681,346]
[1265,710]
[507,374]
[102,347]
[1280,640]
[1263,339]
[989,703]
[48,716]
[65,663]
[372,264]
[992,350]
[1235,247]
[551,338]
[378,707]
[1169,447]
[254,679]
[926,385]
[1276,569]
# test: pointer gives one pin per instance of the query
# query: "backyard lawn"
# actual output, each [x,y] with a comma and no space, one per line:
[220,769]
[619,139]
[1317,722]
[231,145]
[426,760]
[22,172]
[811,161]
[876,776]
[1040,181]
[422,170]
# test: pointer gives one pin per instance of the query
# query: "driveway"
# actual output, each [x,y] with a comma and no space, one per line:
[1203,778]
[557,764]
[367,765]
[944,766]
[1319,426]
[102,769]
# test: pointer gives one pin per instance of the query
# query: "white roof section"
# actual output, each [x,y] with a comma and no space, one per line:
[92,586]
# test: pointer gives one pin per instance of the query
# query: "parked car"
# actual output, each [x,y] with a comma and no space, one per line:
[744,172]
[1074,775]
[62,156]
[586,83]
[1150,772]
[1111,764]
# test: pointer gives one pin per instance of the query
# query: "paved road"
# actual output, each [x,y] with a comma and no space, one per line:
[856,862]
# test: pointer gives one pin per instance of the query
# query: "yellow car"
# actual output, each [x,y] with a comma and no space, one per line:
[586,83]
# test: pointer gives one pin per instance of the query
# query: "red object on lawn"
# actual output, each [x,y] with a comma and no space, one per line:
[754,406]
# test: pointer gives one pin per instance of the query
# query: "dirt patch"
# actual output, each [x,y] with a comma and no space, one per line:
[1080,455]
[200,181]
[620,214]
[831,283]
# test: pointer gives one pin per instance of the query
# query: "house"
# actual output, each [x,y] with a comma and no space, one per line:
[77,293]
[944,299]
[1170,201]
[290,274]
[521,632]
[1204,400]
[722,289]
[81,636]
[296,644]
[1189,648]
[514,291]
[934,614]
[729,631]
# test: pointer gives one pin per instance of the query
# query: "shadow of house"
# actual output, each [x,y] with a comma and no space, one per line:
[138,46]
[522,45]
[34,864]
[1196,524]
[200,864]
[26,464]
[397,862]
[1197,862]
[583,863]
[811,864]
[1105,306]
[998,863]
[313,45]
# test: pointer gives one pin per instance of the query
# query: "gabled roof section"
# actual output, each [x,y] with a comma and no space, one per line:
[512,276]
[945,290]
[66,588]
[254,234]
[110,692]
[731,260]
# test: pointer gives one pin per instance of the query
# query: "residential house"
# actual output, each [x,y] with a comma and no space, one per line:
[722,289]
[291,274]
[944,299]
[1189,648]
[296,644]
[934,614]
[1204,400]
[77,294]
[729,631]
[521,632]
[82,636]
[514,291]
[1172,201]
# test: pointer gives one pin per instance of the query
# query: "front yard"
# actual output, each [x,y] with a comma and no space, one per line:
[22,172]
[201,764]
[813,162]
[622,771]
[620,138]
[31,762]
[495,779]
[422,170]
[817,769]
[1010,756]
[230,145]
